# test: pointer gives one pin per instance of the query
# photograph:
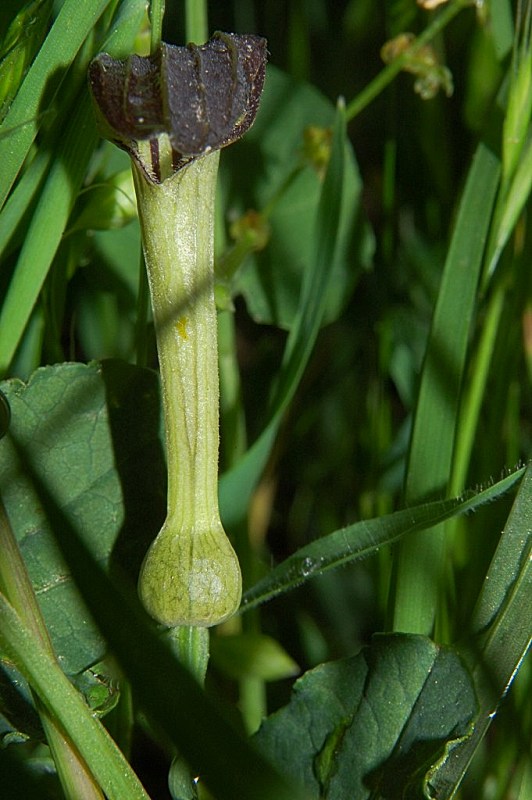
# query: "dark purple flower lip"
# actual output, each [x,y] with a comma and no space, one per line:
[202,97]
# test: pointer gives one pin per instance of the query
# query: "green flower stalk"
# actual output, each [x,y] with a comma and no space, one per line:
[173,112]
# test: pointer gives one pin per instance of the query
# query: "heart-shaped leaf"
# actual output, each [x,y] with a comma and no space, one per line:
[371,726]
[92,433]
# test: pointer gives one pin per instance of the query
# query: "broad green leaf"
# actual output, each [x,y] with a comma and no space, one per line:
[93,432]
[163,688]
[372,725]
[271,280]
[365,538]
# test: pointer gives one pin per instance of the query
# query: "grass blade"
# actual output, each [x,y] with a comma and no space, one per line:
[57,199]
[364,539]
[518,195]
[21,199]
[501,623]
[420,560]
[73,24]
[46,229]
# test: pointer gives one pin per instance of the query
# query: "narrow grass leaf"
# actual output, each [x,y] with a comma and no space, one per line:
[365,538]
[420,561]
[21,200]
[56,200]
[73,24]
[501,625]
[432,441]
[514,204]
[46,229]
[511,563]
[63,701]
[501,27]
[118,44]
[236,486]
[519,105]
[19,46]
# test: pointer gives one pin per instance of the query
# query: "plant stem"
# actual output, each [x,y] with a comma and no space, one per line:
[191,574]
[89,736]
[191,646]
[156,19]
[386,76]
[196,21]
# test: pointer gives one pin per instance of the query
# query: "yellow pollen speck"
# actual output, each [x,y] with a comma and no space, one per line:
[181,327]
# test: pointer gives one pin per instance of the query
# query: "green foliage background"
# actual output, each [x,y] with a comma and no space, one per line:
[376,355]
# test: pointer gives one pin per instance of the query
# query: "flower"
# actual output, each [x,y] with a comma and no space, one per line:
[186,100]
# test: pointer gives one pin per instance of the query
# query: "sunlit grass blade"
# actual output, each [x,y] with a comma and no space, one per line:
[365,538]
[514,202]
[516,177]
[236,486]
[501,628]
[21,200]
[56,200]
[519,106]
[46,229]
[72,25]
[501,24]
[419,566]
[525,779]
[119,43]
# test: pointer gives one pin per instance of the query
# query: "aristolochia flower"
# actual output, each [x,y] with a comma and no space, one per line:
[172,112]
